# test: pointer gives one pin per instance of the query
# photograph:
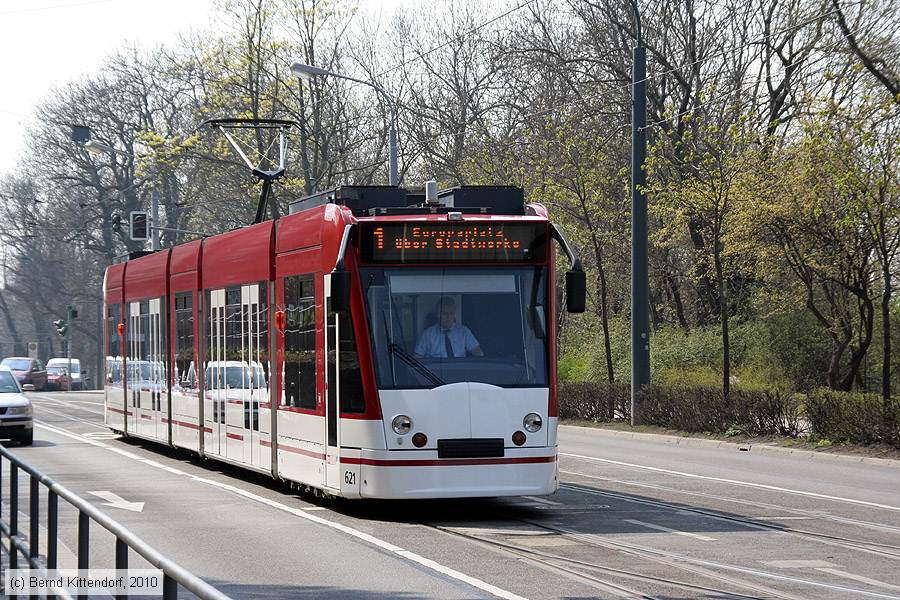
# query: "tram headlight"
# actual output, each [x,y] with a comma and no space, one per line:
[532,422]
[401,424]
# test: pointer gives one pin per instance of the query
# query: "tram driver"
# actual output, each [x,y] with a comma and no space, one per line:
[447,338]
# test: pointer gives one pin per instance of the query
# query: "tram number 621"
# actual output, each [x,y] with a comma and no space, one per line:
[349,477]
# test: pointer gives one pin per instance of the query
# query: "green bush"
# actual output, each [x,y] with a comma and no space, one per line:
[851,417]
[591,401]
[699,409]
[695,409]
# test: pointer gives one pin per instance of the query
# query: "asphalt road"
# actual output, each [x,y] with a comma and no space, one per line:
[633,519]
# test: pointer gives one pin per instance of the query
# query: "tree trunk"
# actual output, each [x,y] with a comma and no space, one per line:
[866,317]
[604,319]
[723,314]
[832,378]
[886,339]
[11,325]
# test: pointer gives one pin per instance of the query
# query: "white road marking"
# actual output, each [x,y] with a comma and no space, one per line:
[543,501]
[116,501]
[799,564]
[826,567]
[696,536]
[859,578]
[303,514]
[102,435]
[732,481]
[493,531]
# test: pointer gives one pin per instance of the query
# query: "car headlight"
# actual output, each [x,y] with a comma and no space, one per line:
[401,424]
[532,422]
[19,410]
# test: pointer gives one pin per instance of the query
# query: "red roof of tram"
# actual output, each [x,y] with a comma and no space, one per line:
[145,277]
[238,256]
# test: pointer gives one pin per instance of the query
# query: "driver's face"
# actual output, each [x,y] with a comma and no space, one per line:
[448,316]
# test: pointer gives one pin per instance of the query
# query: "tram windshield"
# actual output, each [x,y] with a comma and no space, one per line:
[434,326]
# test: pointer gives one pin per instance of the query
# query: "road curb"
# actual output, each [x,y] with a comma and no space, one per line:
[746,446]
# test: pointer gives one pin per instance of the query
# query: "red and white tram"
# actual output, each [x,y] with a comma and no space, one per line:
[370,344]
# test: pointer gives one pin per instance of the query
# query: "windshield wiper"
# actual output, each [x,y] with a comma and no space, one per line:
[416,364]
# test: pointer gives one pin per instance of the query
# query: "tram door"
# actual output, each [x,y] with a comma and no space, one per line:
[132,365]
[253,382]
[214,375]
[332,418]
[158,396]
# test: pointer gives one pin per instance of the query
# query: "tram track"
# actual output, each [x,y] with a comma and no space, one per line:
[550,560]
[889,551]
[752,503]
[707,569]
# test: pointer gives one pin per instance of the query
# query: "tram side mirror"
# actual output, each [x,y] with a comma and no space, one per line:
[340,291]
[576,283]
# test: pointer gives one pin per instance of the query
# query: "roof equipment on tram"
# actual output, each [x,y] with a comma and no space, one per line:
[381,200]
[267,169]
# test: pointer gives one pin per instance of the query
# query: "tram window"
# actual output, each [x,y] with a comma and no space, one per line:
[351,392]
[262,322]
[114,344]
[491,333]
[299,376]
[233,323]
[161,360]
[184,342]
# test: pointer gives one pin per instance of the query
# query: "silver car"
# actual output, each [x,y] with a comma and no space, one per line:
[16,412]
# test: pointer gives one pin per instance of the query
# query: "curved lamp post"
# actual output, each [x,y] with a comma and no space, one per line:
[306,72]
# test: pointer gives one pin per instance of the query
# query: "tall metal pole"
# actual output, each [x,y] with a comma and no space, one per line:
[154,216]
[101,352]
[69,346]
[392,147]
[640,281]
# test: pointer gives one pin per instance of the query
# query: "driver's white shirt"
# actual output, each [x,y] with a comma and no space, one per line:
[431,342]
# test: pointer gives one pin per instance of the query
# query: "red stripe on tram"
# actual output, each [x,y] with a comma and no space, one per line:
[448,462]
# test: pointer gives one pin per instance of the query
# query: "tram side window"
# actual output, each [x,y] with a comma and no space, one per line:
[140,373]
[114,348]
[161,359]
[351,392]
[262,323]
[233,322]
[184,342]
[299,387]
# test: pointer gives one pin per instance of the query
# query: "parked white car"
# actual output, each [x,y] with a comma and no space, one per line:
[16,412]
[77,381]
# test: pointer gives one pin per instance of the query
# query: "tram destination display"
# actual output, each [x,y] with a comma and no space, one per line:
[429,242]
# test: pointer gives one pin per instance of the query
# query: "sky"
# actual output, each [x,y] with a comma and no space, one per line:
[46,44]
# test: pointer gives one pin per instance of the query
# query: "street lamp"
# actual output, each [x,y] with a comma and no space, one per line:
[99,148]
[640,280]
[307,72]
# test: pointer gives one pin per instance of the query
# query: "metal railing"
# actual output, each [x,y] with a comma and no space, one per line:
[173,575]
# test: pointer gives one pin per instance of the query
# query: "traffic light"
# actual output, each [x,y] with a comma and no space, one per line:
[139,225]
[61,327]
[72,312]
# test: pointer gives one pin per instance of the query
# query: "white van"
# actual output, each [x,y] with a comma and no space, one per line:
[77,381]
